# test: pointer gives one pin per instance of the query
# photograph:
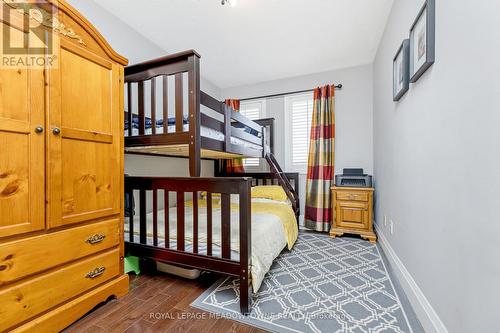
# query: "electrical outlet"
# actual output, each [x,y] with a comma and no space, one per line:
[385,220]
[392,227]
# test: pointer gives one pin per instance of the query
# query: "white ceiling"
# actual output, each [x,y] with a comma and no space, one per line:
[261,40]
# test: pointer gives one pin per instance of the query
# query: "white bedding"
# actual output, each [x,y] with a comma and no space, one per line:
[268,235]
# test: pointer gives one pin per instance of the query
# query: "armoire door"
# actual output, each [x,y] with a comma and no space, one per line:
[84,155]
[22,151]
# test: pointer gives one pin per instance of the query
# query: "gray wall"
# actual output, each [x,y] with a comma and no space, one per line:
[353,113]
[129,43]
[436,161]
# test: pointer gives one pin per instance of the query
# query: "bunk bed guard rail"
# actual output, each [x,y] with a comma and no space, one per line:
[169,83]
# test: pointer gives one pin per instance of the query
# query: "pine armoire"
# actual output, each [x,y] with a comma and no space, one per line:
[61,172]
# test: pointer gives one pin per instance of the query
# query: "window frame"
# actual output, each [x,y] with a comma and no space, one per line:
[289,100]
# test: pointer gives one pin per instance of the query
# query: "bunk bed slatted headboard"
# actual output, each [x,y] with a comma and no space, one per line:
[288,180]
[152,78]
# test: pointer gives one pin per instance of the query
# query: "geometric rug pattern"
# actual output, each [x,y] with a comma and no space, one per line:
[321,285]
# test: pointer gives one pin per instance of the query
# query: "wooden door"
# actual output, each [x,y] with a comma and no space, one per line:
[84,156]
[352,215]
[22,110]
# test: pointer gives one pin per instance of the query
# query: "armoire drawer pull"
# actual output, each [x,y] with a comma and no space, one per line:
[95,273]
[38,129]
[97,238]
[56,131]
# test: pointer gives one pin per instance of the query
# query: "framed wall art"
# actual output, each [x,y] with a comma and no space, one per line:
[422,41]
[400,69]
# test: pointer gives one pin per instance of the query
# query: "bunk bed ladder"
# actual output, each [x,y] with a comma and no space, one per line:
[284,182]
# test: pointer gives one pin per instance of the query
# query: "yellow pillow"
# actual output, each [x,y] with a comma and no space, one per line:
[273,192]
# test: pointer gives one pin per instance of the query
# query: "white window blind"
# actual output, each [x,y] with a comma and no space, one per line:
[299,111]
[252,110]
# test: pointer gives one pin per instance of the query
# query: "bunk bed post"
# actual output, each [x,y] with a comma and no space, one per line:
[271,135]
[227,125]
[218,166]
[296,185]
[165,103]
[245,246]
[264,141]
[268,128]
[129,108]
[153,106]
[141,107]
[179,105]
[194,115]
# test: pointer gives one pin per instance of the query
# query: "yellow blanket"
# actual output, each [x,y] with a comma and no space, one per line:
[285,214]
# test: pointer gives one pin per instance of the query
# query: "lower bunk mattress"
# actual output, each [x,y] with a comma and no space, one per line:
[273,227]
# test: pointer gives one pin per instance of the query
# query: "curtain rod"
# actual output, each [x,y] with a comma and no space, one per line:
[338,86]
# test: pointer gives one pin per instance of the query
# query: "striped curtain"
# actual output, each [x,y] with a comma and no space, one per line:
[320,169]
[236,164]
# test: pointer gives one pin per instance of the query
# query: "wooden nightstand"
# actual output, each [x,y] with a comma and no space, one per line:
[352,209]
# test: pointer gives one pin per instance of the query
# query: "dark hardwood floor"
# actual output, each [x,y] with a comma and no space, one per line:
[158,302]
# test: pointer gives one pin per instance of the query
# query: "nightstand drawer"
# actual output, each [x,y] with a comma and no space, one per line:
[352,196]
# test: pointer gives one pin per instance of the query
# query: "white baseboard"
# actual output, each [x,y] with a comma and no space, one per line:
[423,309]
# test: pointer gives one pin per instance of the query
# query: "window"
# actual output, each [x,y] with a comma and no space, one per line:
[298,110]
[253,109]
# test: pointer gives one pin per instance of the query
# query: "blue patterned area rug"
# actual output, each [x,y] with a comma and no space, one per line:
[322,285]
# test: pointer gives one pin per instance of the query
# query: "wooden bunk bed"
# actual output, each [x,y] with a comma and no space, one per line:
[193,124]
[151,201]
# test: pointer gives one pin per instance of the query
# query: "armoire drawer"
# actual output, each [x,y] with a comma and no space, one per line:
[25,300]
[28,256]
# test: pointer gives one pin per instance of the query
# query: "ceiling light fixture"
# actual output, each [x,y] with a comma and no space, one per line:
[231,3]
